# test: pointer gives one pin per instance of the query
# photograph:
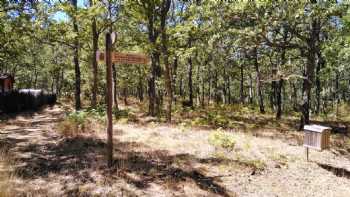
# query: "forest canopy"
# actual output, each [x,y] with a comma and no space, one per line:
[277,56]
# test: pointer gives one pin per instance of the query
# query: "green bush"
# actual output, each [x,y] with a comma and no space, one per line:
[78,117]
[121,113]
[222,139]
[83,121]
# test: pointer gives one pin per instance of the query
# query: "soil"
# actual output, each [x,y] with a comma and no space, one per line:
[153,159]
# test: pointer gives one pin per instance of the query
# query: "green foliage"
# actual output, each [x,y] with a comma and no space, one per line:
[222,139]
[83,121]
[121,113]
[78,117]
[218,37]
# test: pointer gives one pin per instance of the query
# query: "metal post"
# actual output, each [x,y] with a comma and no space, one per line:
[109,100]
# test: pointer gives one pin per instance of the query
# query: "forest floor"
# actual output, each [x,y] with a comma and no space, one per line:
[158,159]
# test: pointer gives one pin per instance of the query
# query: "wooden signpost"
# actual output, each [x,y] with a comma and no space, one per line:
[124,58]
[115,57]
[109,100]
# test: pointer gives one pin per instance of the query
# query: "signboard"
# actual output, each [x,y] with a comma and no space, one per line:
[317,137]
[124,58]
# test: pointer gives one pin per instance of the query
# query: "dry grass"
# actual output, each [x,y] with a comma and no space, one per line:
[79,124]
[258,158]
[7,174]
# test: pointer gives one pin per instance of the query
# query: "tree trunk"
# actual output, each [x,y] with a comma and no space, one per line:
[167,75]
[309,73]
[279,98]
[190,73]
[76,59]
[190,84]
[241,87]
[320,64]
[174,75]
[181,92]
[229,90]
[294,97]
[250,89]
[258,82]
[215,84]
[95,36]
[274,91]
[152,37]
[152,84]
[198,87]
[125,94]
[280,84]
[209,84]
[140,86]
[306,96]
[337,97]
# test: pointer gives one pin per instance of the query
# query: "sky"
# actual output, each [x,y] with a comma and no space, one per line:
[61,16]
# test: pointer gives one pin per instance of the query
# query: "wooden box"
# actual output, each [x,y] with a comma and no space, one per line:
[316,137]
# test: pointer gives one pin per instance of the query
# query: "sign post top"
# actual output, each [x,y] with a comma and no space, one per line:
[113,37]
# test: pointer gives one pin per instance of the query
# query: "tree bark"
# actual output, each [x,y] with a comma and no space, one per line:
[76,59]
[167,75]
[250,89]
[174,75]
[209,83]
[190,83]
[280,84]
[320,64]
[241,87]
[95,36]
[274,87]
[258,82]
[309,73]
[152,37]
[279,98]
[140,86]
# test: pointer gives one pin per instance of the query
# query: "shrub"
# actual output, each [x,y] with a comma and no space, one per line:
[73,124]
[222,139]
[120,113]
[80,122]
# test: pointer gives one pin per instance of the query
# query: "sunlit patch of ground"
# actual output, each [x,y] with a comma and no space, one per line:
[158,159]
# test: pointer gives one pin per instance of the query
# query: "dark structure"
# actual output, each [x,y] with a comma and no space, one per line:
[25,99]
[6,83]
[20,100]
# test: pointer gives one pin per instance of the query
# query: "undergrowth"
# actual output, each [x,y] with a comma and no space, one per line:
[222,139]
[84,121]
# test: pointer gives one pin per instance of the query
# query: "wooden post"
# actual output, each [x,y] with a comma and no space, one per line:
[307,154]
[109,100]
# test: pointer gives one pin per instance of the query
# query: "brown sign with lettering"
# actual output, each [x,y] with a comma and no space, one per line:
[125,58]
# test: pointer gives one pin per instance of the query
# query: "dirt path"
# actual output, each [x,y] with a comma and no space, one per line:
[163,160]
[47,164]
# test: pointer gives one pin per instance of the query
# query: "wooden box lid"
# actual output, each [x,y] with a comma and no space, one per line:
[316,128]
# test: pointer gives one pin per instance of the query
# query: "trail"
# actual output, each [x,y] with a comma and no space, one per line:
[153,159]
[48,164]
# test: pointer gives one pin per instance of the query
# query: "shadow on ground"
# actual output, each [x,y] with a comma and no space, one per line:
[134,163]
[339,172]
